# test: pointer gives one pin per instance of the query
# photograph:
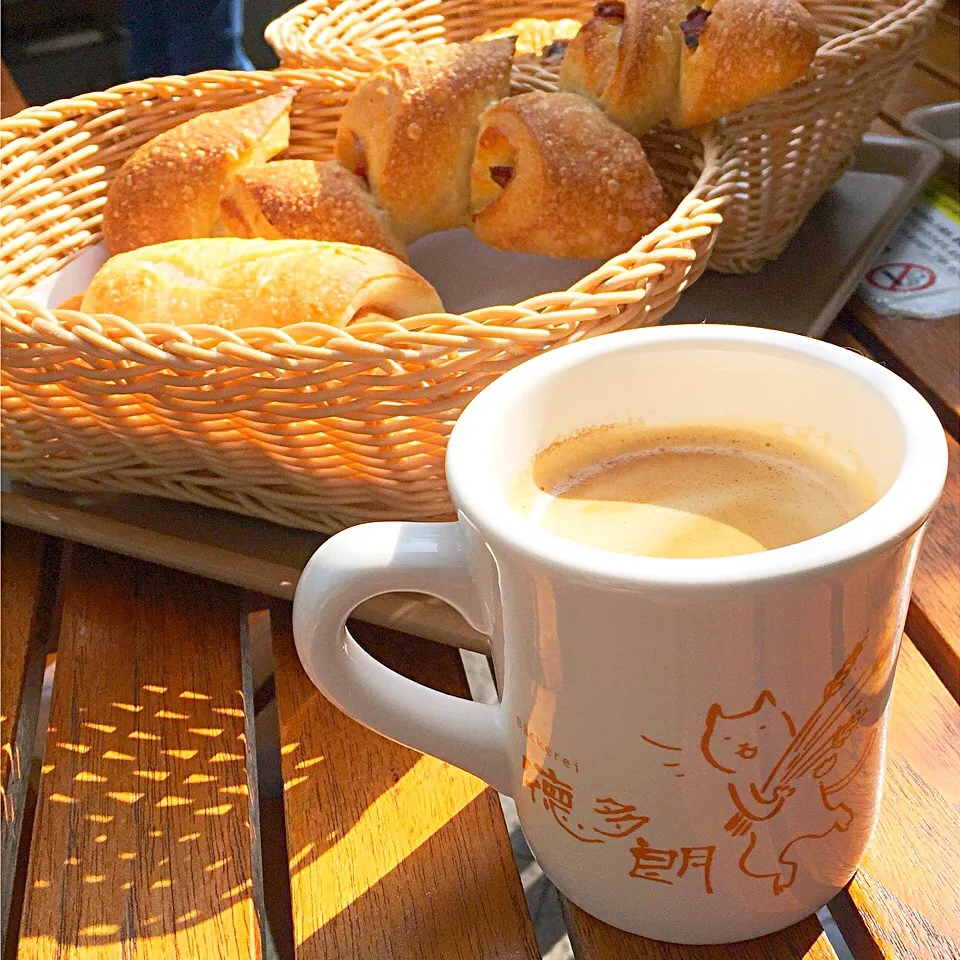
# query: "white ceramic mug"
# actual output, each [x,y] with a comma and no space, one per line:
[695,746]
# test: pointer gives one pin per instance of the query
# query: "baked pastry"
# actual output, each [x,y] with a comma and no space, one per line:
[235,283]
[626,58]
[410,128]
[74,302]
[533,34]
[553,175]
[649,61]
[738,52]
[306,200]
[169,188]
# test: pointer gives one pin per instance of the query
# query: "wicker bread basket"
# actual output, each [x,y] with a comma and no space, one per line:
[779,154]
[307,425]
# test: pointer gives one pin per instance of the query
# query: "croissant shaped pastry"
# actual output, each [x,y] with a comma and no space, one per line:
[552,175]
[409,130]
[650,61]
[307,200]
[170,187]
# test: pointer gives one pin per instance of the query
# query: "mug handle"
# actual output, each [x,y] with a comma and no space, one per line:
[373,558]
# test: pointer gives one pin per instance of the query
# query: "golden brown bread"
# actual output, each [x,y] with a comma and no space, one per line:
[649,61]
[534,34]
[411,127]
[746,49]
[235,283]
[553,175]
[307,200]
[169,188]
[72,303]
[627,59]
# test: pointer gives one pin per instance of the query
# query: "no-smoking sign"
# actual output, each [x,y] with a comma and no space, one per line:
[901,277]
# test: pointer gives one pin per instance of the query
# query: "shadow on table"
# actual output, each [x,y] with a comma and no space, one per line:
[143,829]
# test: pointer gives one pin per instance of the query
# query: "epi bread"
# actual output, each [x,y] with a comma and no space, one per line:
[650,61]
[307,200]
[553,175]
[170,187]
[236,283]
[410,129]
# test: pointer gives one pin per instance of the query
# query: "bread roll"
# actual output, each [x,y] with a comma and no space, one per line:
[72,303]
[627,59]
[306,200]
[649,61]
[411,127]
[553,175]
[169,188]
[235,283]
[738,52]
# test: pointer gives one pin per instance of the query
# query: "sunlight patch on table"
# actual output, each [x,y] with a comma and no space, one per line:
[427,797]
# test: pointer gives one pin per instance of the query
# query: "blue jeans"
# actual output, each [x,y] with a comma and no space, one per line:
[184,36]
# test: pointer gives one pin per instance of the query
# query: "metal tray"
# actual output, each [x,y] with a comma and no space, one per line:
[245,551]
[806,287]
[940,125]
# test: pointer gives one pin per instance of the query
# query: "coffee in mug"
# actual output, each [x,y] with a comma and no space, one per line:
[692,489]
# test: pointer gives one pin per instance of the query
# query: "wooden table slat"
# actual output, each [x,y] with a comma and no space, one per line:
[27,608]
[142,841]
[917,88]
[593,940]
[925,352]
[939,51]
[879,125]
[906,893]
[392,854]
[934,617]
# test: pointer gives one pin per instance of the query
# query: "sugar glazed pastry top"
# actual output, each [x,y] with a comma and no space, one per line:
[307,200]
[410,130]
[170,187]
[552,175]
[650,61]
[535,35]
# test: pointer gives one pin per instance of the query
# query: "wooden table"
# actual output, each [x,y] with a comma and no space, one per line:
[143,832]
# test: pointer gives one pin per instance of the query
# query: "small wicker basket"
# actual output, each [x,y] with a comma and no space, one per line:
[307,425]
[779,154]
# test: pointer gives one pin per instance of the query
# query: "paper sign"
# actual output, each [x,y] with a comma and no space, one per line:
[918,272]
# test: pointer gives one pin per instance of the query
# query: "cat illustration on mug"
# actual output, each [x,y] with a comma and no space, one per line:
[773,770]
[749,754]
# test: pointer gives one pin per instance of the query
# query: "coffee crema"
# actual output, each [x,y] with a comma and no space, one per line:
[693,490]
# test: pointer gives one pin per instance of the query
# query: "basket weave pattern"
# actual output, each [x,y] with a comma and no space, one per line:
[308,425]
[778,155]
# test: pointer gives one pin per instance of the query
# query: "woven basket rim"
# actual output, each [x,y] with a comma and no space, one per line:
[886,24]
[279,32]
[624,280]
